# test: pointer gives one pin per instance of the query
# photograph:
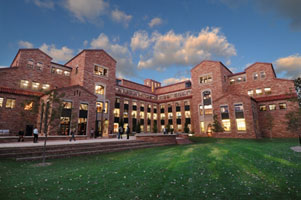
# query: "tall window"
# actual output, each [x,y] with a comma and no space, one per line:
[82,119]
[255,76]
[99,106]
[206,79]
[35,85]
[262,75]
[101,71]
[225,118]
[240,118]
[99,89]
[65,119]
[10,103]
[24,84]
[106,107]
[207,103]
[1,102]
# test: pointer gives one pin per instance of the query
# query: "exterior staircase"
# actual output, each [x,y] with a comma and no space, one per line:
[70,150]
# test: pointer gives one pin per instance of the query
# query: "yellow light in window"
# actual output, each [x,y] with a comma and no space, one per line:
[202,127]
[241,124]
[35,85]
[226,124]
[258,91]
[45,86]
[28,106]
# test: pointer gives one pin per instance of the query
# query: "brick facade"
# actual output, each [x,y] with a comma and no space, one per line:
[98,100]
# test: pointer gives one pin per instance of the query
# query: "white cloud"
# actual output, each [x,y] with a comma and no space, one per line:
[120,53]
[43,3]
[86,9]
[60,55]
[186,49]
[25,44]
[174,80]
[155,22]
[290,66]
[140,40]
[3,66]
[121,17]
[85,43]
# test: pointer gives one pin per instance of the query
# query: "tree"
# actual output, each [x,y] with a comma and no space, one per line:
[294,121]
[138,128]
[168,128]
[186,128]
[297,83]
[155,127]
[217,127]
[268,123]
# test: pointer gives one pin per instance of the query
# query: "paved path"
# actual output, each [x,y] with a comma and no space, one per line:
[63,142]
[296,148]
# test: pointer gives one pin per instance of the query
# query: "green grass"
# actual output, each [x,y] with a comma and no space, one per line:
[209,169]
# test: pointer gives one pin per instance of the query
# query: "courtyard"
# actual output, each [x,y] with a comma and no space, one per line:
[208,169]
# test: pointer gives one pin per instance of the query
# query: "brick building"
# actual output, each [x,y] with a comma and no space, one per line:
[94,98]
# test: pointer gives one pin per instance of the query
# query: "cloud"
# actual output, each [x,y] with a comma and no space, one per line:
[290,66]
[25,44]
[174,80]
[155,22]
[43,3]
[185,49]
[86,10]
[3,66]
[121,17]
[140,40]
[121,53]
[60,55]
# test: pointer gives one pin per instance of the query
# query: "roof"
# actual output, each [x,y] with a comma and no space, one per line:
[276,97]
[61,65]
[265,63]
[173,84]
[214,62]
[239,73]
[31,49]
[20,92]
[91,50]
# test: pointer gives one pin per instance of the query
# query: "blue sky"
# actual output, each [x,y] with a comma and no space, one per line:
[158,39]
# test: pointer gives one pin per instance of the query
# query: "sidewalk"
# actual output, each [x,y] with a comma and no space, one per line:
[64,142]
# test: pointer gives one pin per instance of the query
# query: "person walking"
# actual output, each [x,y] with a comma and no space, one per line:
[164,130]
[35,135]
[120,132]
[92,133]
[127,132]
[72,135]
[21,136]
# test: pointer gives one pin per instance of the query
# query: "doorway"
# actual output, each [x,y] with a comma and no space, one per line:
[29,130]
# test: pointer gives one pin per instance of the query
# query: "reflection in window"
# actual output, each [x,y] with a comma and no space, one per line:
[99,106]
[262,107]
[272,107]
[267,90]
[99,89]
[282,105]
[28,106]
[101,71]
[239,115]
[10,103]
[83,106]
[255,76]
[206,79]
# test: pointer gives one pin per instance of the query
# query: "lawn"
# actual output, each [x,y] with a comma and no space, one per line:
[208,169]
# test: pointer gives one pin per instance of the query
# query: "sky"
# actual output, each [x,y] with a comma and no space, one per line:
[158,39]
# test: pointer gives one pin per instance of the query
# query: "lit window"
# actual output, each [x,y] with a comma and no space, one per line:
[35,85]
[155,116]
[45,86]
[262,75]
[98,70]
[250,92]
[53,70]
[106,107]
[99,106]
[267,90]
[116,112]
[99,89]
[10,103]
[134,114]
[178,115]
[162,116]
[30,63]
[170,115]
[28,106]
[59,71]
[125,114]
[202,125]
[262,107]
[282,105]
[226,124]
[272,107]
[241,124]
[259,91]
[141,114]
[1,102]
[201,110]
[208,109]
[24,84]
[40,66]
[205,79]
[255,76]
[187,114]
[148,115]
[179,127]
[232,81]
[66,73]
[83,106]
[67,105]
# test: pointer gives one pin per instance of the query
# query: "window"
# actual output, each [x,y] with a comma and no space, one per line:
[206,79]
[66,73]
[255,76]
[282,106]
[35,85]
[83,106]
[99,106]
[134,114]
[187,114]
[239,115]
[67,105]
[225,118]
[155,116]
[10,103]
[258,91]
[1,102]
[24,84]
[241,124]
[40,66]
[250,92]
[116,112]
[267,90]
[30,63]
[178,115]
[262,75]
[162,116]
[262,107]
[226,123]
[76,70]
[45,86]
[207,103]
[169,108]
[106,107]
[99,89]
[101,71]
[232,81]
[272,107]
[59,71]
[52,70]
[28,106]
[141,114]
[241,79]
[170,115]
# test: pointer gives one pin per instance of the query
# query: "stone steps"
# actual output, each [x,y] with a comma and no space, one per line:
[70,150]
